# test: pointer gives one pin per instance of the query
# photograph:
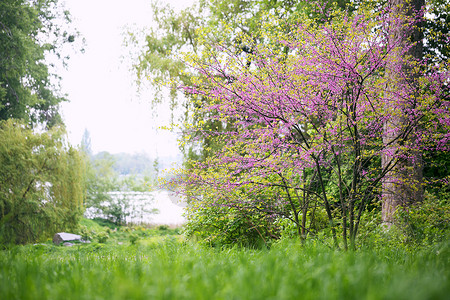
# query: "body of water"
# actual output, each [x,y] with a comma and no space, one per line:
[159,207]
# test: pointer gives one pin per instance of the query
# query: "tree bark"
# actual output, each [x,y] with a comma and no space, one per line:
[402,184]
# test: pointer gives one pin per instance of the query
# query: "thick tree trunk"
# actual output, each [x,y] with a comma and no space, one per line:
[402,184]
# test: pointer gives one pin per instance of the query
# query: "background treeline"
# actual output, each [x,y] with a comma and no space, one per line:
[137,163]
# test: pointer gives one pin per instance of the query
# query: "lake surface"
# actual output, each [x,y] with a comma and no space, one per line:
[159,207]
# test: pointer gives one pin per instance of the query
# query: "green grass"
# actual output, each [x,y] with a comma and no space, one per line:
[99,230]
[161,267]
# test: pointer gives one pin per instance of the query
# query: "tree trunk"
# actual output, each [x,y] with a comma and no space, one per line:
[402,184]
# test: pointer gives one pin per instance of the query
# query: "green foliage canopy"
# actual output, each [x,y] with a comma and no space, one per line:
[29,31]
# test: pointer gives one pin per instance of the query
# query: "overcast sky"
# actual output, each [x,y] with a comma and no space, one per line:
[102,96]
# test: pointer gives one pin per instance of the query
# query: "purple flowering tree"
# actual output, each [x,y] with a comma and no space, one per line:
[309,109]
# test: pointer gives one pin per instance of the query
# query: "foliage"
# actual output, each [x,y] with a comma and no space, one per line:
[221,224]
[437,174]
[109,233]
[170,270]
[310,121]
[134,239]
[436,30]
[160,61]
[102,237]
[426,224]
[100,181]
[177,32]
[138,163]
[41,184]
[30,32]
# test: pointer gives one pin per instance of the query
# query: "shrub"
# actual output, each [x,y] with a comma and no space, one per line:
[222,225]
[102,237]
[133,238]
[426,224]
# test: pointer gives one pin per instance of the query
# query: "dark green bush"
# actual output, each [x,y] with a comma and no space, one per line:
[425,224]
[220,225]
[102,237]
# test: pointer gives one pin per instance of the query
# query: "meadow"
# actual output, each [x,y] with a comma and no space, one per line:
[158,264]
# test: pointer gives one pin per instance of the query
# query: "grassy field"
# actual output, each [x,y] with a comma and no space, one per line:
[159,265]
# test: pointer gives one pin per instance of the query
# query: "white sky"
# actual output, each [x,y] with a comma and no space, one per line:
[100,87]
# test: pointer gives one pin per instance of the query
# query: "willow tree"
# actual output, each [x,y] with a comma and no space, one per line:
[41,184]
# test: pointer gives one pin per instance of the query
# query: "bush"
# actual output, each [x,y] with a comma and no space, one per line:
[221,225]
[133,238]
[163,227]
[418,226]
[102,237]
[426,224]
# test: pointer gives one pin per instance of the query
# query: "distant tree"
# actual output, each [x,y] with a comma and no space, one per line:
[101,180]
[127,164]
[86,142]
[41,184]
[29,31]
[108,185]
[156,167]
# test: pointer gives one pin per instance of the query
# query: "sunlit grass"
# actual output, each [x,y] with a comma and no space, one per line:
[165,268]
